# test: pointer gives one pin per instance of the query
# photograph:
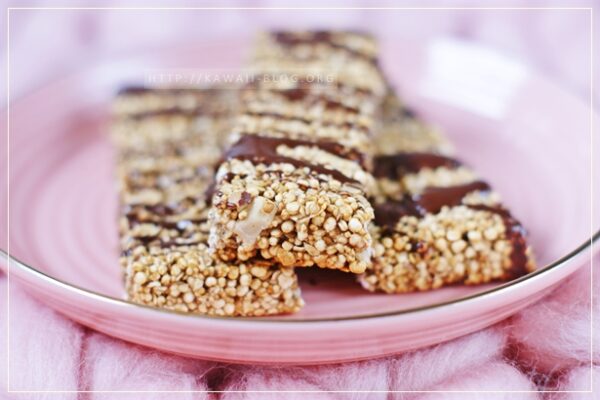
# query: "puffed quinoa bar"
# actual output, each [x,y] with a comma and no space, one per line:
[168,142]
[349,58]
[437,223]
[293,187]
[403,131]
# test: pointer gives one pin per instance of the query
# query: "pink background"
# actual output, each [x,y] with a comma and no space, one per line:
[48,44]
[547,346]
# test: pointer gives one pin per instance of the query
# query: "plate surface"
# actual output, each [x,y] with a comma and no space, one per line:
[523,134]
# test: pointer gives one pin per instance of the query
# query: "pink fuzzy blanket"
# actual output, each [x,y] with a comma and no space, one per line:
[545,347]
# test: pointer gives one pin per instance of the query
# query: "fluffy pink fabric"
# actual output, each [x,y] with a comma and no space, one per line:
[545,347]
[555,334]
[447,361]
[362,377]
[45,348]
[110,364]
[581,378]
[497,376]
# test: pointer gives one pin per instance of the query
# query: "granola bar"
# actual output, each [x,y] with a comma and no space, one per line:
[349,59]
[403,131]
[293,188]
[437,223]
[166,155]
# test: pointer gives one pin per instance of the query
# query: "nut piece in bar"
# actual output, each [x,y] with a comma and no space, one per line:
[166,162]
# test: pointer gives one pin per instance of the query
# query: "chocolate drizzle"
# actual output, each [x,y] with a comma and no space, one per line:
[408,113]
[210,192]
[314,91]
[135,89]
[433,199]
[184,227]
[131,211]
[302,93]
[178,112]
[139,90]
[389,213]
[306,92]
[430,201]
[329,104]
[261,149]
[174,242]
[181,225]
[296,94]
[397,165]
[308,121]
[292,39]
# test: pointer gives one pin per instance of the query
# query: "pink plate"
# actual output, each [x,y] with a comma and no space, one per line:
[529,138]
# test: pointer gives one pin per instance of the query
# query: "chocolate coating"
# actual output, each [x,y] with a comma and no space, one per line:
[396,165]
[430,201]
[260,149]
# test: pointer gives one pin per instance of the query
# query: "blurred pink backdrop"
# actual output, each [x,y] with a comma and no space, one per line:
[45,44]
[546,346]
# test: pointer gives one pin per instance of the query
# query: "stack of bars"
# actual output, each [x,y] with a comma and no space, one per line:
[314,163]
[168,143]
[293,189]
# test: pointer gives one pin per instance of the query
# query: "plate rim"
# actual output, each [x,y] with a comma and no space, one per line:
[587,245]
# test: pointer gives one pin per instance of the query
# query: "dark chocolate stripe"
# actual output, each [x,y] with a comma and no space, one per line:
[174,243]
[163,209]
[305,94]
[292,39]
[397,165]
[353,89]
[303,85]
[277,116]
[434,198]
[281,117]
[389,213]
[430,201]
[134,219]
[325,145]
[340,87]
[402,115]
[134,89]
[147,240]
[176,112]
[139,89]
[408,112]
[260,149]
